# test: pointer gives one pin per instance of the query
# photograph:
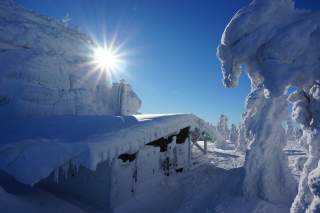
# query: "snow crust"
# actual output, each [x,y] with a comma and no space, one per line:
[46,69]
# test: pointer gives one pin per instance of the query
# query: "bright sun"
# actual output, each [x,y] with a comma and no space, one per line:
[106,59]
[107,62]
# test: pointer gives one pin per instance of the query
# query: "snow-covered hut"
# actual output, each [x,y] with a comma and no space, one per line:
[100,160]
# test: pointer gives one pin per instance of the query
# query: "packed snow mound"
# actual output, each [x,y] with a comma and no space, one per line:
[42,145]
[46,70]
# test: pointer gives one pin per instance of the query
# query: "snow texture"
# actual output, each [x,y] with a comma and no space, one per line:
[277,45]
[46,69]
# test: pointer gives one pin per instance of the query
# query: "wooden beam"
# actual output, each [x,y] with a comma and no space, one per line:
[205,145]
[189,150]
[199,147]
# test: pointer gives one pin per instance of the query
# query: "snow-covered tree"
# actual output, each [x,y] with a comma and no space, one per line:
[279,46]
[233,134]
[222,126]
[306,111]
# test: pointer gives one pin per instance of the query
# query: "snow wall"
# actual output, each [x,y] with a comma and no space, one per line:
[46,70]
[278,47]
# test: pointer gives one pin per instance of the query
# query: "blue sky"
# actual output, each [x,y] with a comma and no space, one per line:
[172,43]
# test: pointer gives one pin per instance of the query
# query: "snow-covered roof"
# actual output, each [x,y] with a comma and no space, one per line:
[31,149]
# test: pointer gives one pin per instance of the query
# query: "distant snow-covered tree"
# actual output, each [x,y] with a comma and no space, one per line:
[222,126]
[233,134]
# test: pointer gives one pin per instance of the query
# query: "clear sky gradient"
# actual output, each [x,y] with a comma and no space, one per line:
[172,64]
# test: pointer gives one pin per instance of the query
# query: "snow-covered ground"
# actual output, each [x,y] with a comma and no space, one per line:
[225,159]
[228,160]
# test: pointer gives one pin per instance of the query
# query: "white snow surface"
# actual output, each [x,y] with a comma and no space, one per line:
[31,149]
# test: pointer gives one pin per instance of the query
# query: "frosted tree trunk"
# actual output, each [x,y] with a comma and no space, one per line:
[267,174]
